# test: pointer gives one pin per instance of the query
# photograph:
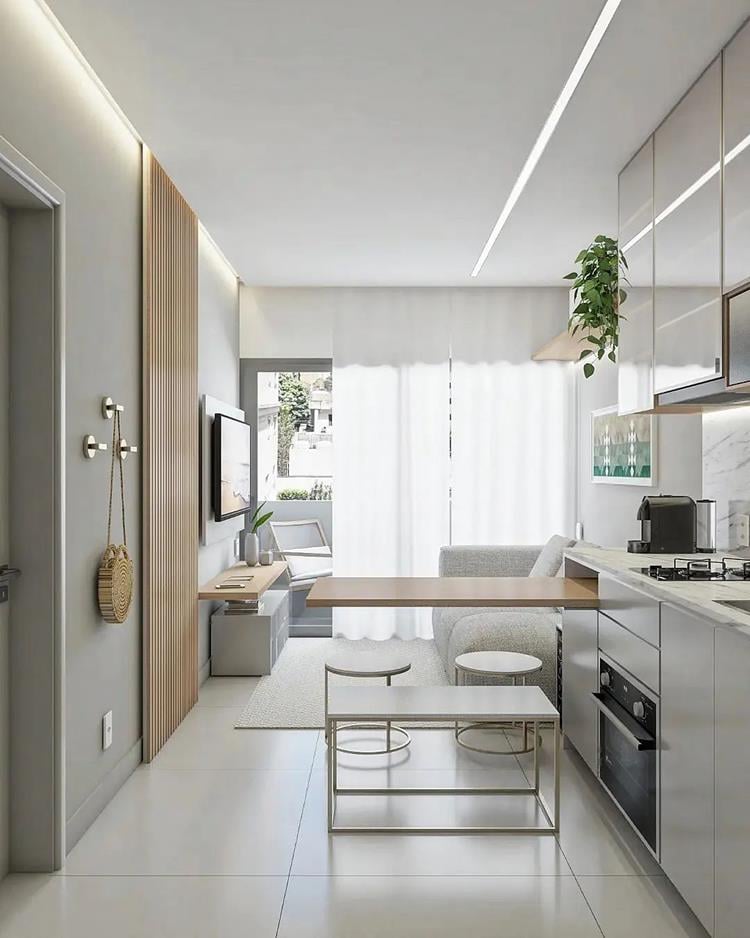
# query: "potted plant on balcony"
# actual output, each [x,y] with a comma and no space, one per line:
[252,540]
[598,294]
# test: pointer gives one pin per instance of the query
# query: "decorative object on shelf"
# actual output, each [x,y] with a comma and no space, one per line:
[115,574]
[252,540]
[597,294]
[623,448]
[266,558]
[91,447]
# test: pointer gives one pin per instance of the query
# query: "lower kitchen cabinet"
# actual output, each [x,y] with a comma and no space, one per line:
[687,758]
[580,668]
[732,670]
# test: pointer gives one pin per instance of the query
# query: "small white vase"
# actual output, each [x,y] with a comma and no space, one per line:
[252,547]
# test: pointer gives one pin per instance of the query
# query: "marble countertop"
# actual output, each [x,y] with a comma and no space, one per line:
[700,598]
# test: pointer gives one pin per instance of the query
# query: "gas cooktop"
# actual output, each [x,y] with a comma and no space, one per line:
[684,568]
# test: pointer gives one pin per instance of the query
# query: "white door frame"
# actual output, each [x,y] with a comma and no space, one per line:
[31,178]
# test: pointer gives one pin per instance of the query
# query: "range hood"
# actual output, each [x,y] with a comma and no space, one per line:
[707,394]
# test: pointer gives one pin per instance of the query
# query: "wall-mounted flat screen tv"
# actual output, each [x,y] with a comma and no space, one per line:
[231,467]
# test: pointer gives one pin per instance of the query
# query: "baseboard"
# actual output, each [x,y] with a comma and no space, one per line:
[100,797]
[204,673]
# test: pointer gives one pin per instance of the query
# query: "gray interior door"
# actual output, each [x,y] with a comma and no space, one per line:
[4,547]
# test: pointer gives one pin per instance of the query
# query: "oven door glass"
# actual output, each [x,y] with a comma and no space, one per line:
[630,775]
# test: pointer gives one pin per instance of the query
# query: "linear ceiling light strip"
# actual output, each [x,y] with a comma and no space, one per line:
[587,53]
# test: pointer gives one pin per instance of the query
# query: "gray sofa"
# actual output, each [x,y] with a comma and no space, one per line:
[531,631]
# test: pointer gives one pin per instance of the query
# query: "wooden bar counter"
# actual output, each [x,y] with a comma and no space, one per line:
[564,592]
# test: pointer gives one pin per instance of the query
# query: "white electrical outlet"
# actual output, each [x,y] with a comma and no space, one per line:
[107,730]
[742,529]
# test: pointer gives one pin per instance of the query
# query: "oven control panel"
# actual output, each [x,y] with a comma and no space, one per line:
[631,698]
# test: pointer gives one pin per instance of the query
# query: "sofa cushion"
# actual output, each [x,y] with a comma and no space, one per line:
[550,559]
[443,621]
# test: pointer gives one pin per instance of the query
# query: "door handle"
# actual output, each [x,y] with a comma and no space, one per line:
[632,730]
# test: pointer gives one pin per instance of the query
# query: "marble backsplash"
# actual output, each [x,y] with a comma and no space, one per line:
[726,470]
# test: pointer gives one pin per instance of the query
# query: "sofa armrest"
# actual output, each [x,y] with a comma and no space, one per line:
[508,560]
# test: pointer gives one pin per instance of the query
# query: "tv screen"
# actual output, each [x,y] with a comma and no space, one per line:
[231,467]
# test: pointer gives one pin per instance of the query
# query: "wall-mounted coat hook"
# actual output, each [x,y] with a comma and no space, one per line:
[125,448]
[109,408]
[91,447]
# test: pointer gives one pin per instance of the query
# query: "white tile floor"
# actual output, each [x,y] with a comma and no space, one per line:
[224,834]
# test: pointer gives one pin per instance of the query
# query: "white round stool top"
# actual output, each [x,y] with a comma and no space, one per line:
[498,663]
[368,664]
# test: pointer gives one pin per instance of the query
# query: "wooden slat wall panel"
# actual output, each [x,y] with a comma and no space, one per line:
[170,434]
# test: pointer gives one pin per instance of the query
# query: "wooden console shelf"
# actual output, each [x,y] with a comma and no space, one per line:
[554,591]
[261,578]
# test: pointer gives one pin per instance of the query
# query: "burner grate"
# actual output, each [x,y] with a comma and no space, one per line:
[687,568]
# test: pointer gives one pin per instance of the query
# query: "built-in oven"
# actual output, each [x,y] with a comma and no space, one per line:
[628,747]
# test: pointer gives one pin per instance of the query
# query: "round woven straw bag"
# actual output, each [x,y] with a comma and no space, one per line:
[115,574]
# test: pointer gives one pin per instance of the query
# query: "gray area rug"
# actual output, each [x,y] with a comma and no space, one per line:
[292,697]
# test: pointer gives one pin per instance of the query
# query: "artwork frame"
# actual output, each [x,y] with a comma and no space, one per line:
[629,441]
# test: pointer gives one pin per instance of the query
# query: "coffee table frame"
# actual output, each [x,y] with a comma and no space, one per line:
[551,813]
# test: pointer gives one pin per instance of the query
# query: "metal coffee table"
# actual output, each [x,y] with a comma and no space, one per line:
[441,705]
[495,664]
[369,665]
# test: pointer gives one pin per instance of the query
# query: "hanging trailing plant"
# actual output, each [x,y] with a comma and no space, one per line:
[598,294]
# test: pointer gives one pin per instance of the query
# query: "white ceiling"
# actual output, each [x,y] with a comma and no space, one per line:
[348,142]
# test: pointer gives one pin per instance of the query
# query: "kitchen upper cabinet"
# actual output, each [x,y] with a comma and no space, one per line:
[635,358]
[732,667]
[687,758]
[737,160]
[687,238]
[580,668]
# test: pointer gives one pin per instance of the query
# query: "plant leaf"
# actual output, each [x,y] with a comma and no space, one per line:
[588,369]
[262,520]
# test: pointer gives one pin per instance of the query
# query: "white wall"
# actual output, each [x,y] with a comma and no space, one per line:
[608,511]
[53,114]
[287,322]
[218,376]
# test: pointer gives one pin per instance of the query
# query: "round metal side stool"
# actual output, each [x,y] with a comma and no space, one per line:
[495,664]
[369,664]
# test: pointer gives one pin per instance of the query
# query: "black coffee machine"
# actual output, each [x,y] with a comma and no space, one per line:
[667,525]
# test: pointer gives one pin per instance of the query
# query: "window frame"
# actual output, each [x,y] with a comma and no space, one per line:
[250,368]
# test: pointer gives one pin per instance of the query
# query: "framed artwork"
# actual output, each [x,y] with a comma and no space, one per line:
[623,448]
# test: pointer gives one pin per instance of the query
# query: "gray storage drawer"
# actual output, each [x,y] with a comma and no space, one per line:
[627,649]
[637,611]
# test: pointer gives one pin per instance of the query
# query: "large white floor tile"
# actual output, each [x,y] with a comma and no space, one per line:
[436,907]
[321,853]
[594,836]
[191,822]
[207,739]
[226,692]
[140,907]
[646,906]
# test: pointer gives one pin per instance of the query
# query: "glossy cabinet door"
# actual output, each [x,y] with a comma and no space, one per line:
[687,238]
[580,667]
[737,160]
[732,667]
[635,356]
[687,758]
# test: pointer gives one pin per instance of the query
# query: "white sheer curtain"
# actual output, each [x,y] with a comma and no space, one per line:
[391,425]
[513,420]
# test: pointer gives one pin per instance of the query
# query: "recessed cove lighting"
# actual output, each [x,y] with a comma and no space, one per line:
[587,53]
